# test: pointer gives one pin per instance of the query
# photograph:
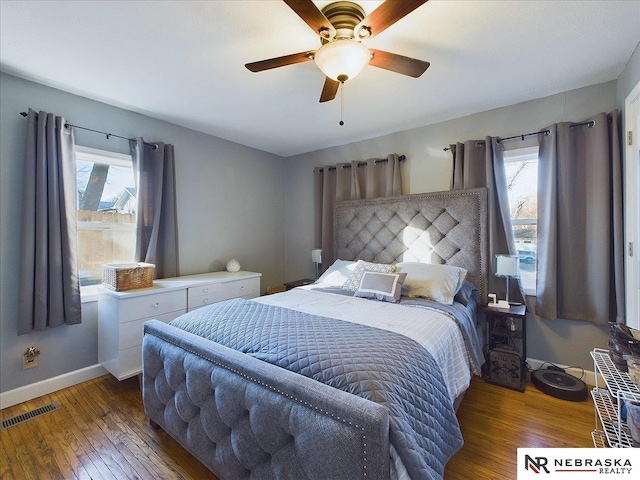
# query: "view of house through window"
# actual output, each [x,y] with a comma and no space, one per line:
[106,211]
[521,168]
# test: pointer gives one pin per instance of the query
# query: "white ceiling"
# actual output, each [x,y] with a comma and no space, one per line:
[183,62]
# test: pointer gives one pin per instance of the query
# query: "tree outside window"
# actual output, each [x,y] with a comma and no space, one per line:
[106,211]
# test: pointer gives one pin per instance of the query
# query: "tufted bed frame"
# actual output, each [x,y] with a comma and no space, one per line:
[247,419]
[443,227]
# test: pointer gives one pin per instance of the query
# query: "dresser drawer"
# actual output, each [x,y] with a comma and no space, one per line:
[203,295]
[151,306]
[128,363]
[247,288]
[205,289]
[203,301]
[130,334]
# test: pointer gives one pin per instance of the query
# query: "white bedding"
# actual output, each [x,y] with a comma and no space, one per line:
[434,330]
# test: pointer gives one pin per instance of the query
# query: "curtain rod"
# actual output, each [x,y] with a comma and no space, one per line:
[590,123]
[401,158]
[522,135]
[109,135]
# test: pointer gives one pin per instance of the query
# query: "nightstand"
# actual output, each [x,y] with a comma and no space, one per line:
[506,345]
[298,283]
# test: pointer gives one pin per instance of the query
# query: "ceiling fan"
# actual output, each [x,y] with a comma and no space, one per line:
[342,26]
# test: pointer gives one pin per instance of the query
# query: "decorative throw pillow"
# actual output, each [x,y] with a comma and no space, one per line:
[337,273]
[435,282]
[353,282]
[386,287]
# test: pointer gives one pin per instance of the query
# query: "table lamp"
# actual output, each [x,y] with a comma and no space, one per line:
[507,266]
[316,257]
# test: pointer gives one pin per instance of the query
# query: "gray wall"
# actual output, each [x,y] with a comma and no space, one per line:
[428,169]
[629,77]
[230,205]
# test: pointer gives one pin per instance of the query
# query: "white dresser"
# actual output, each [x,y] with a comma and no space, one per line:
[122,314]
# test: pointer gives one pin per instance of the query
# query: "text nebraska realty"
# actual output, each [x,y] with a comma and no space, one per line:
[597,465]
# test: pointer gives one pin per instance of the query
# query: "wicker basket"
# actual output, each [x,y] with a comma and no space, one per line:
[127,276]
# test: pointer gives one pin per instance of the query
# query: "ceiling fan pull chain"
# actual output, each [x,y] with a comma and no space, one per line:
[341,103]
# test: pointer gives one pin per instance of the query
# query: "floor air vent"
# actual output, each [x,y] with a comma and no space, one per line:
[23,417]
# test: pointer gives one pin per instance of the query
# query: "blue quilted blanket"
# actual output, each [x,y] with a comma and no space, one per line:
[384,367]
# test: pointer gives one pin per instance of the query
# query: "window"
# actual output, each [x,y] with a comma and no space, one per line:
[106,211]
[521,168]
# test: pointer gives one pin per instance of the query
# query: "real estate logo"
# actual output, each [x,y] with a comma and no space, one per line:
[557,463]
[536,464]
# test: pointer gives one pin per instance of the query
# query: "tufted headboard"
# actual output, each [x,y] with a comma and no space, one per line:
[443,227]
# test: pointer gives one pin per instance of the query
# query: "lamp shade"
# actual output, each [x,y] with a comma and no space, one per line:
[316,255]
[507,266]
[342,60]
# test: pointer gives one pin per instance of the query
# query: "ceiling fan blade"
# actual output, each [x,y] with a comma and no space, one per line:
[313,17]
[329,90]
[398,63]
[386,15]
[280,61]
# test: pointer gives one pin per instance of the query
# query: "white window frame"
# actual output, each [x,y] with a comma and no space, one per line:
[89,293]
[522,155]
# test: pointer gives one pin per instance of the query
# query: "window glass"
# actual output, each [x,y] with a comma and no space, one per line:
[106,211]
[521,168]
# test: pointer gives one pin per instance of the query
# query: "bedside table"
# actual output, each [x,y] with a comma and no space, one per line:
[506,345]
[298,283]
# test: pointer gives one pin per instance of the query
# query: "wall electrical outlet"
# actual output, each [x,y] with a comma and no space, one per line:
[29,362]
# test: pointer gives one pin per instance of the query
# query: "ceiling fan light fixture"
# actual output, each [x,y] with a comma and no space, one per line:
[342,60]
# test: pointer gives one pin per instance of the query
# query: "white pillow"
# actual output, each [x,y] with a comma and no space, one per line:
[337,273]
[435,282]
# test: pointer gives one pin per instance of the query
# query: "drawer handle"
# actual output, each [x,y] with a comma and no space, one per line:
[205,301]
[242,287]
[155,305]
[205,290]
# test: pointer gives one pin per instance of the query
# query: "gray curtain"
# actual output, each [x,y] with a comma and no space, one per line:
[49,281]
[350,181]
[580,233]
[156,224]
[480,163]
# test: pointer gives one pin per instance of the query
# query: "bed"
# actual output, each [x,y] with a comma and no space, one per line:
[323,383]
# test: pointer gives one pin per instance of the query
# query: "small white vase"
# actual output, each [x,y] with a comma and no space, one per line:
[233,265]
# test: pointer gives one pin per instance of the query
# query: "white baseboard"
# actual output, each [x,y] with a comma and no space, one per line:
[44,387]
[589,376]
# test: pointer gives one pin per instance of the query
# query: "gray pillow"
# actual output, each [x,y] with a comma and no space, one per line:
[466,293]
[386,287]
[353,282]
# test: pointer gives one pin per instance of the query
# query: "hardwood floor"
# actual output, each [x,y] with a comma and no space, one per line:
[101,432]
[495,421]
